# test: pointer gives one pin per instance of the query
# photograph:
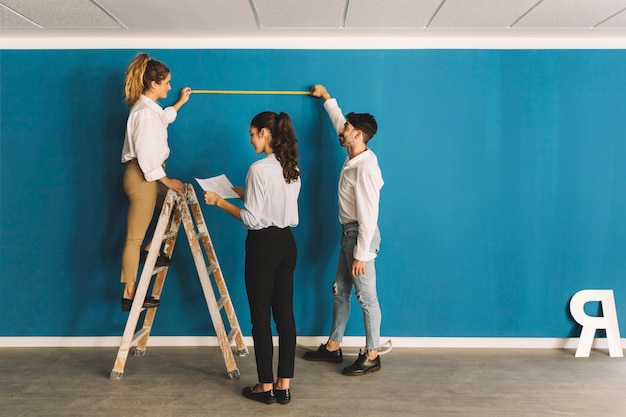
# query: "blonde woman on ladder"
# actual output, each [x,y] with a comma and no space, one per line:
[144,153]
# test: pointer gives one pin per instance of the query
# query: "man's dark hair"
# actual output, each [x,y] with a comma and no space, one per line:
[364,122]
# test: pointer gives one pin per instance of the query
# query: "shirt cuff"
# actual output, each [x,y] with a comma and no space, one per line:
[155,174]
[363,255]
[169,114]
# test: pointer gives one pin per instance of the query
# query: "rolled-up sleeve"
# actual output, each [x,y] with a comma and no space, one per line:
[151,146]
[367,190]
[254,199]
[169,115]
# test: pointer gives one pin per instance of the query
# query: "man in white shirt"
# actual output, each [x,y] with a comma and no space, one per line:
[359,195]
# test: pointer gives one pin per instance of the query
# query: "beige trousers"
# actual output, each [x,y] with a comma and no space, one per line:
[143,198]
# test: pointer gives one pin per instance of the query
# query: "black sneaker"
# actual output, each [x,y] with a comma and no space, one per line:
[363,365]
[323,354]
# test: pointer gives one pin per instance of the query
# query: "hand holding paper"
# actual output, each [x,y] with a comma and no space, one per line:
[220,185]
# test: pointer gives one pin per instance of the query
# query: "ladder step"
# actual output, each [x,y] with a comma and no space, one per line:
[158,269]
[140,333]
[223,300]
[231,335]
[169,235]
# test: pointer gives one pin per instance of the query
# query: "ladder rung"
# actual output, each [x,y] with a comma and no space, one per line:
[158,269]
[169,235]
[231,335]
[140,333]
[223,300]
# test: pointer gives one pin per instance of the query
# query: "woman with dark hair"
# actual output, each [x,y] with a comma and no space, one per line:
[144,153]
[270,210]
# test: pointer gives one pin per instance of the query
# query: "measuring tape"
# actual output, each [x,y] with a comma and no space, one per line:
[249,92]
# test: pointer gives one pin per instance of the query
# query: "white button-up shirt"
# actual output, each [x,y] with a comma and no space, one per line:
[359,190]
[146,137]
[269,200]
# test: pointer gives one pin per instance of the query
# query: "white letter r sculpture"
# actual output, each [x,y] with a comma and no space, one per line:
[590,324]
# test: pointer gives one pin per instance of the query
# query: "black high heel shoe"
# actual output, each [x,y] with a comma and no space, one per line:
[162,260]
[149,302]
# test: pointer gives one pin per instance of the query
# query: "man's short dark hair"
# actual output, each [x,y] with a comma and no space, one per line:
[364,122]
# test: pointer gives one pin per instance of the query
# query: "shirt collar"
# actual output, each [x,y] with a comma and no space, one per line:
[153,105]
[360,157]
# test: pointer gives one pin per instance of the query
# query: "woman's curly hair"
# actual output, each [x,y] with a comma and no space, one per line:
[284,142]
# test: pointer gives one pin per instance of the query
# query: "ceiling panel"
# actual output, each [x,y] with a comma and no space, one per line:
[298,21]
[68,14]
[458,14]
[616,21]
[182,16]
[394,14]
[570,13]
[10,19]
[289,14]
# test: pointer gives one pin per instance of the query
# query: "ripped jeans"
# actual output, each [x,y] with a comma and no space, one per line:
[365,289]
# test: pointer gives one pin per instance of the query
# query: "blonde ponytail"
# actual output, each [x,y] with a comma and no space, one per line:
[140,73]
[133,86]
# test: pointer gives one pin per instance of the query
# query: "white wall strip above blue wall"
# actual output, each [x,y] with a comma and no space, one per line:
[477,40]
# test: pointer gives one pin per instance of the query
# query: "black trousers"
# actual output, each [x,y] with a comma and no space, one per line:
[271,255]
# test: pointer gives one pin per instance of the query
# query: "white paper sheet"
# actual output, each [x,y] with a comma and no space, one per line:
[220,185]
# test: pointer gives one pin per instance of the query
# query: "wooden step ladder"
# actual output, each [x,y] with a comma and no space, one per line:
[175,209]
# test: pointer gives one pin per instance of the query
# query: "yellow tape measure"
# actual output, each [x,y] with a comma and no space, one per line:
[249,92]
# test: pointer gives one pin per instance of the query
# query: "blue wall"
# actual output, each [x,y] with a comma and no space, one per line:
[505,185]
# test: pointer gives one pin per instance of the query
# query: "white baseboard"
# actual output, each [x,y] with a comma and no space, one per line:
[314,341]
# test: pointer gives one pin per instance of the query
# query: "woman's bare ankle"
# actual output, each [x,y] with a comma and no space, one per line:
[282,383]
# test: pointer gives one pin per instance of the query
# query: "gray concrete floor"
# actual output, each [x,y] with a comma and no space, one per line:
[191,381]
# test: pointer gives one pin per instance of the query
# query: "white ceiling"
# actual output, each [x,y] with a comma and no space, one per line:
[305,19]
